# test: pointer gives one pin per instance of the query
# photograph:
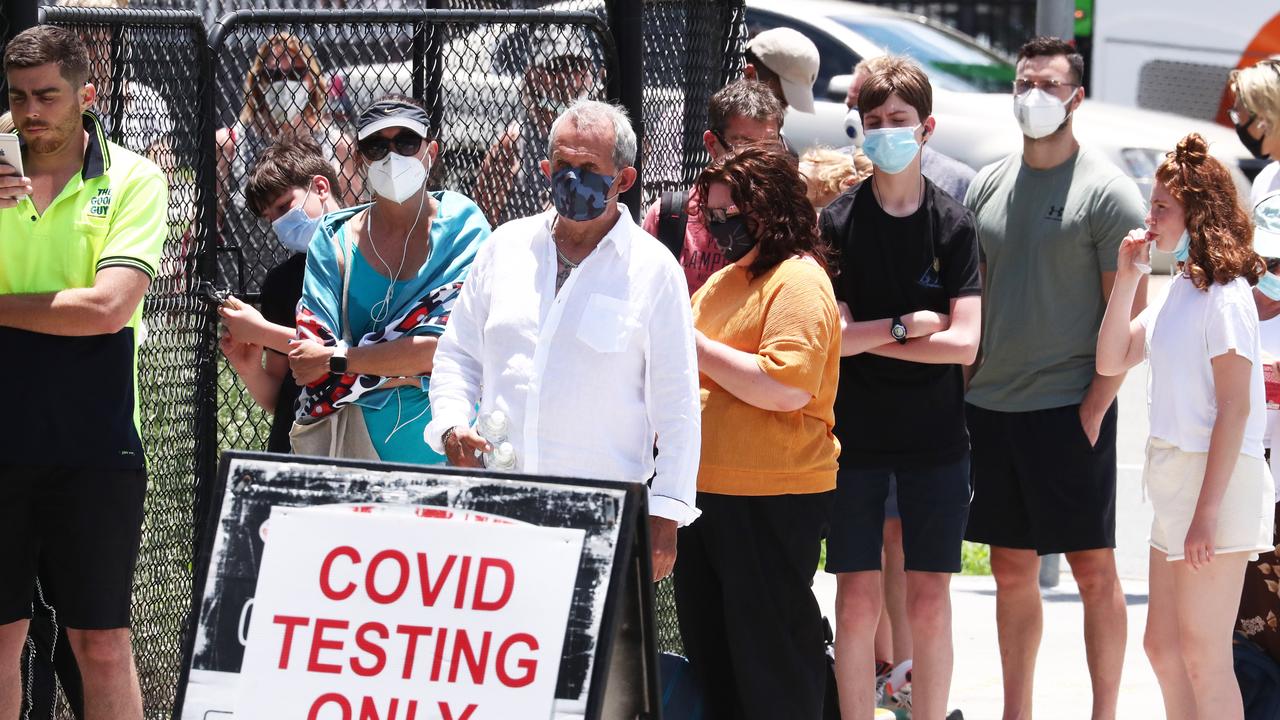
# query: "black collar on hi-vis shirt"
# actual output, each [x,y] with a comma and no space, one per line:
[97,157]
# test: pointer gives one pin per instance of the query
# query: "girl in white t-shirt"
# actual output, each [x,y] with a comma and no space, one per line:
[1209,487]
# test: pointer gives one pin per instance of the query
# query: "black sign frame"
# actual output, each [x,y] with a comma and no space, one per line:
[624,679]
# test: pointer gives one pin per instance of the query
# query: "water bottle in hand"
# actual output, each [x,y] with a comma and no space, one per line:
[502,457]
[492,427]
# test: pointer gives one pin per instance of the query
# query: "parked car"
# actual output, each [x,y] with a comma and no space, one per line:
[972,98]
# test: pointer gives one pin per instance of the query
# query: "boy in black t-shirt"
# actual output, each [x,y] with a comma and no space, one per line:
[292,188]
[909,289]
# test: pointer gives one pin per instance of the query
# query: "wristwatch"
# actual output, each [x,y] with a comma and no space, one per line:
[338,360]
[898,330]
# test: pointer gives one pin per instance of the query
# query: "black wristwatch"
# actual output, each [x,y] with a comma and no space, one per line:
[338,361]
[898,330]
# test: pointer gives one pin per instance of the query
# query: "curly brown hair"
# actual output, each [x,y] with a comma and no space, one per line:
[1221,247]
[765,183]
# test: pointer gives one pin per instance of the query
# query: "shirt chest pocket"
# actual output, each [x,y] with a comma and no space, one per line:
[607,324]
[92,232]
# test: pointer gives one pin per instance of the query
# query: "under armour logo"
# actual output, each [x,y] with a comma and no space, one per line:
[1055,213]
[930,277]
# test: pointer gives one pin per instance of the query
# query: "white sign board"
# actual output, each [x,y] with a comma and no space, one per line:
[388,616]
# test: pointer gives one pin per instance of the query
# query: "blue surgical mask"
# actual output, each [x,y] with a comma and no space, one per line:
[891,149]
[580,195]
[295,228]
[1182,250]
[1269,285]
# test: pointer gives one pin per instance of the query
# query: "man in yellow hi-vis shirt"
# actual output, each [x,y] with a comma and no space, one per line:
[80,239]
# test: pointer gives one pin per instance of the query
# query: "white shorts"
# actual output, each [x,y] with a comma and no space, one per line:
[1173,477]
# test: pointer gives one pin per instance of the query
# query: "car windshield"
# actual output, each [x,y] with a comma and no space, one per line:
[951,61]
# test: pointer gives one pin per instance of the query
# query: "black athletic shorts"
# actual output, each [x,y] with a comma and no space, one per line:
[932,502]
[79,530]
[1037,482]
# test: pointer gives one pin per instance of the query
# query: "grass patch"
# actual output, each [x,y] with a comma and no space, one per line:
[975,559]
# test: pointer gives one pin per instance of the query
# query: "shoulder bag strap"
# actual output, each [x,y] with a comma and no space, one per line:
[673,219]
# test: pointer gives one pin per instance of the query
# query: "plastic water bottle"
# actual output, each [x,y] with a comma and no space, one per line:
[502,457]
[492,426]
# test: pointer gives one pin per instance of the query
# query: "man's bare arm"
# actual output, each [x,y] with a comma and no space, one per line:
[102,309]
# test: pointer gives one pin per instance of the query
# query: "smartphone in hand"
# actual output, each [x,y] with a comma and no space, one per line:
[11,151]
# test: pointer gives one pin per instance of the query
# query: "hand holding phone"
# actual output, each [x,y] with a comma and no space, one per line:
[13,184]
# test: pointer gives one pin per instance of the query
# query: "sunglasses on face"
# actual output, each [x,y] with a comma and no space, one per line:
[406,143]
[290,72]
[1022,85]
[1240,118]
[719,215]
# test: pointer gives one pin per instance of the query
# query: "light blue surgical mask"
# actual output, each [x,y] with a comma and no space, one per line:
[891,149]
[295,228]
[1269,285]
[1182,250]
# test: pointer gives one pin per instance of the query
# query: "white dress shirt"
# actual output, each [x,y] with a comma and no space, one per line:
[588,377]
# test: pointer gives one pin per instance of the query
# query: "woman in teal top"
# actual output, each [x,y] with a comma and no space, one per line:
[380,281]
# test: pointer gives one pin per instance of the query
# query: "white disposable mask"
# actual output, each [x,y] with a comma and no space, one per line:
[1039,113]
[396,177]
[286,99]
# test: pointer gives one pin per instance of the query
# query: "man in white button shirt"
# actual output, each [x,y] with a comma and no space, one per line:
[576,324]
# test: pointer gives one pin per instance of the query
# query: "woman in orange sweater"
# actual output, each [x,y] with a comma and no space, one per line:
[768,339]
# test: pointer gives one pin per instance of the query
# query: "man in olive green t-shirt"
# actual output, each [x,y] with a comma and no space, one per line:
[1042,423]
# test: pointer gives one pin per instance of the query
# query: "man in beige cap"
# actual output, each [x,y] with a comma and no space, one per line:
[786,61]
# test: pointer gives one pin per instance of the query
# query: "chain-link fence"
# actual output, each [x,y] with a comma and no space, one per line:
[204,109]
[491,82]
[151,71]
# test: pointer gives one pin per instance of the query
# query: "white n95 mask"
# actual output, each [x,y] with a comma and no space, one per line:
[286,99]
[396,177]
[1039,113]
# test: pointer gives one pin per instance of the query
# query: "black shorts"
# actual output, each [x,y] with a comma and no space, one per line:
[933,503]
[78,529]
[1038,484]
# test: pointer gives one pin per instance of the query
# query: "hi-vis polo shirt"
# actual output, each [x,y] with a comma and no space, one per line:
[72,401]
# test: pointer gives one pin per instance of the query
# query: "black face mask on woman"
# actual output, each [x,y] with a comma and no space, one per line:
[1254,146]
[732,237]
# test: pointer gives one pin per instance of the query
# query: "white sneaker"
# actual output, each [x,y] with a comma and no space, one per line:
[897,688]
[883,671]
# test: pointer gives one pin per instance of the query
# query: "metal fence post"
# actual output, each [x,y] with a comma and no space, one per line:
[1056,18]
[626,24]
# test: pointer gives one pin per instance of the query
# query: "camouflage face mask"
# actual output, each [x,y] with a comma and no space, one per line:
[580,195]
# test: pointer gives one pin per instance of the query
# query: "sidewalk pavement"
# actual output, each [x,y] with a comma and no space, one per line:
[1062,690]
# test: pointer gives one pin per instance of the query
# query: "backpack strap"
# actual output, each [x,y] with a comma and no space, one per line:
[673,219]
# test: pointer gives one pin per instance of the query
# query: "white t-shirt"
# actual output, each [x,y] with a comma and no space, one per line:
[1267,182]
[1193,327]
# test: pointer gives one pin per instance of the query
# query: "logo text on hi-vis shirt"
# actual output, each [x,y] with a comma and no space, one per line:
[100,203]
